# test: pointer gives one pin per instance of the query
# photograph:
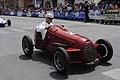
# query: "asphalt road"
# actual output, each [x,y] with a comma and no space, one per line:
[15,66]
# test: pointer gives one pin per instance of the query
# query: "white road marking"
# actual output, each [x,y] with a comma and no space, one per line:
[29,28]
[17,30]
[114,73]
[4,32]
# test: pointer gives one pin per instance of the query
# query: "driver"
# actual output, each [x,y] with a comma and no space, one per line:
[42,27]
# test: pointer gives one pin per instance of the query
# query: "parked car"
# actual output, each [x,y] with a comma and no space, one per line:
[5,22]
[67,47]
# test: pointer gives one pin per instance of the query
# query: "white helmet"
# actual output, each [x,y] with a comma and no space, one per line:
[49,15]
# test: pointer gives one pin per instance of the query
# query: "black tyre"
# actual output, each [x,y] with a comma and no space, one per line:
[104,50]
[102,21]
[9,22]
[60,60]
[27,45]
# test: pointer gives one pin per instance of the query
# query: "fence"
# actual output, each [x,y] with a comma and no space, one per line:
[72,15]
[67,15]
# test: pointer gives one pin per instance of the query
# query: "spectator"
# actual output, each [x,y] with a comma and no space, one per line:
[86,7]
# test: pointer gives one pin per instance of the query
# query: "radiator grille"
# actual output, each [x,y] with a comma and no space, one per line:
[90,53]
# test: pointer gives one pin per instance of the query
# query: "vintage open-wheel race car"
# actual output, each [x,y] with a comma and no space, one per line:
[5,22]
[67,47]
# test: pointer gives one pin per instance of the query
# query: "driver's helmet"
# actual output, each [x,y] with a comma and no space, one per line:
[49,15]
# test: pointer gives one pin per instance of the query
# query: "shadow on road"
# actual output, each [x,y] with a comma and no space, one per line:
[45,58]
[39,56]
[78,69]
[57,76]
[73,70]
[23,57]
[81,69]
[105,64]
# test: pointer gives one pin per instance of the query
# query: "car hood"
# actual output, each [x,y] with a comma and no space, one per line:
[68,35]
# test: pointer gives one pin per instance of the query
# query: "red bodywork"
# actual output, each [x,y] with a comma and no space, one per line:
[79,48]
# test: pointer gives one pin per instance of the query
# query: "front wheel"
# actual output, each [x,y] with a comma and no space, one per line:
[60,60]
[104,50]
[27,45]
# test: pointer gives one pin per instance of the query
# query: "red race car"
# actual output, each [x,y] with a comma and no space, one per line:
[67,47]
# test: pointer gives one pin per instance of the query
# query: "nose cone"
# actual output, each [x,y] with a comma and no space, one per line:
[89,50]
[2,21]
[84,39]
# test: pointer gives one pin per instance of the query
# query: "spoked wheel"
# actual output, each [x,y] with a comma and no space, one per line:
[9,22]
[60,60]
[104,50]
[27,45]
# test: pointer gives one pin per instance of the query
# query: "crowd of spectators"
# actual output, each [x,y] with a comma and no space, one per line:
[102,5]
[109,5]
[5,11]
[67,6]
[76,7]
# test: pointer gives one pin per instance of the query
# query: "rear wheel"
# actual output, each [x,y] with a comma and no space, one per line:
[60,60]
[104,50]
[9,22]
[27,45]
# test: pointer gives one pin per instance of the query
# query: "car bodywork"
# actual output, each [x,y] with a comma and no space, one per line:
[4,22]
[73,43]
[68,47]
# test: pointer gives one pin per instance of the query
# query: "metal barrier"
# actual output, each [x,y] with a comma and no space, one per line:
[106,18]
[95,14]
[70,15]
[67,15]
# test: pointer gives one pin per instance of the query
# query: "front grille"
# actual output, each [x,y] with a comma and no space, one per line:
[90,53]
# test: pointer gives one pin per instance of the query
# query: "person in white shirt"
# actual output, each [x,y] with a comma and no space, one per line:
[42,27]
